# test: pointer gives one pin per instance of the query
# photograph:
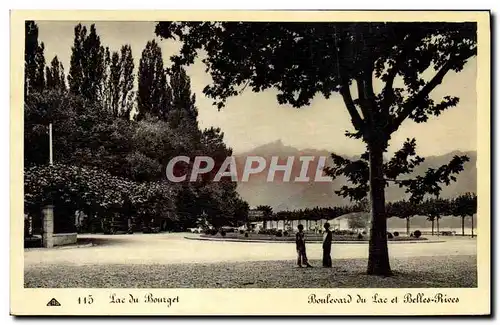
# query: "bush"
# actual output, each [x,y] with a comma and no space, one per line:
[223,233]
[285,233]
[351,233]
[364,232]
[242,232]
[360,236]
[213,232]
[389,235]
[246,234]
[263,232]
[396,234]
[411,235]
[417,234]
[279,234]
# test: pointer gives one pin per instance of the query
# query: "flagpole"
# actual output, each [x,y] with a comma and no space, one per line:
[50,143]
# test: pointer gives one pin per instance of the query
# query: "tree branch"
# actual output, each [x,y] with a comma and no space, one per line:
[388,91]
[360,83]
[351,108]
[412,103]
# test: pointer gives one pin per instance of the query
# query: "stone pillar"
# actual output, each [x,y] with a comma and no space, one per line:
[48,226]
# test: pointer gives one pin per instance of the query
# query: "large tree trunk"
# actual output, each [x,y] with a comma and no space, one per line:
[463,225]
[408,226]
[432,231]
[378,254]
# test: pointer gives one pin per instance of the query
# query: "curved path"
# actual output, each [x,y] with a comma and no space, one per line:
[174,248]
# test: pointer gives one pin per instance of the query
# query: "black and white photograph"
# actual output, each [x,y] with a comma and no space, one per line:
[253,154]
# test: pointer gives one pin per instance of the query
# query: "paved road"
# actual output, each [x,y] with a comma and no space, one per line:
[174,248]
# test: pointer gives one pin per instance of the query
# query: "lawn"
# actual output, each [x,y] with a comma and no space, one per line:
[415,272]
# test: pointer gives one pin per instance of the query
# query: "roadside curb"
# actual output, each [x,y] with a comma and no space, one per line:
[365,242]
[60,247]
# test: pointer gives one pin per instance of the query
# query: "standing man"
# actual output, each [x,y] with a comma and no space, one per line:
[300,243]
[327,246]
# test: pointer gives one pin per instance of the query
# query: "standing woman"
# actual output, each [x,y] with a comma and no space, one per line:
[327,246]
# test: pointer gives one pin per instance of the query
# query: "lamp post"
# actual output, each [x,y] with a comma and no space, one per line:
[50,144]
[48,210]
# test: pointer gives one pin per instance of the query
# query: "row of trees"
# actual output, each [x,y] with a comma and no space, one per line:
[462,206]
[105,132]
[340,57]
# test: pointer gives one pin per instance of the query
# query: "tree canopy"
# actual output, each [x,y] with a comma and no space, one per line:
[105,160]
[304,59]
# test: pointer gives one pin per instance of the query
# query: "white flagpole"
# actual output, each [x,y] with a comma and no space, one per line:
[50,143]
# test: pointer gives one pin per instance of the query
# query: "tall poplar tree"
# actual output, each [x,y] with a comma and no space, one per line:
[126,81]
[75,76]
[114,83]
[153,92]
[55,77]
[34,60]
[87,70]
[183,112]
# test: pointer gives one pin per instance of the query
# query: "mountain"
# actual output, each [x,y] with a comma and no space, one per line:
[282,195]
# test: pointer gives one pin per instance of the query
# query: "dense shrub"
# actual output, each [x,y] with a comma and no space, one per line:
[213,232]
[242,231]
[360,236]
[411,235]
[417,233]
[389,235]
[223,233]
[246,234]
[285,233]
[396,234]
[351,233]
[364,232]
[279,234]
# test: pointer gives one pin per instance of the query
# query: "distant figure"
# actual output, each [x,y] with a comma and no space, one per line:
[327,246]
[300,242]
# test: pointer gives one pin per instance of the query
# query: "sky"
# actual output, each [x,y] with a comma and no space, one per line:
[253,119]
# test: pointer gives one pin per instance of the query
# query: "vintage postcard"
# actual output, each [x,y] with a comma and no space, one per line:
[250,163]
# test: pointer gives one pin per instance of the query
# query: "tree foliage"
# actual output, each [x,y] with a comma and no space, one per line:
[106,162]
[399,170]
[87,66]
[153,94]
[34,59]
[464,205]
[55,77]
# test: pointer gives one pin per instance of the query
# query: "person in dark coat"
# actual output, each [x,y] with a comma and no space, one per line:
[300,243]
[327,246]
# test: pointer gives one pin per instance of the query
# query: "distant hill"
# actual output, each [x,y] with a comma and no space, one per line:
[293,195]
